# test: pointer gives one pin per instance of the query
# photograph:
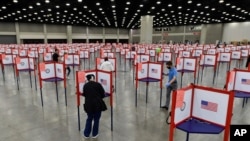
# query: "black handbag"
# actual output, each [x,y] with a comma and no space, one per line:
[102,105]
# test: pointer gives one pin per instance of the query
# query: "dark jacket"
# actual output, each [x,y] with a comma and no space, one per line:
[93,92]
[248,61]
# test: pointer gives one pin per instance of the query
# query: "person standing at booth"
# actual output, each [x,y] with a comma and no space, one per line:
[56,57]
[93,106]
[248,62]
[107,65]
[171,83]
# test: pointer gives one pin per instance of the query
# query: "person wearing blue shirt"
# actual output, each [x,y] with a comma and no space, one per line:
[171,83]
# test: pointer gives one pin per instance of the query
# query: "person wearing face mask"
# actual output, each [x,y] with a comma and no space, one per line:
[93,106]
[171,83]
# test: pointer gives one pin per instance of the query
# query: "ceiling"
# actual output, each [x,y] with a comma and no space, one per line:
[124,13]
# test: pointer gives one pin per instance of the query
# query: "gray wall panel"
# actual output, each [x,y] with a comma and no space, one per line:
[8,39]
[79,29]
[95,30]
[124,31]
[56,28]
[25,27]
[110,31]
[7,27]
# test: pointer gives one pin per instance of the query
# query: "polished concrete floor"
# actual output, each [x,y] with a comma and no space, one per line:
[22,117]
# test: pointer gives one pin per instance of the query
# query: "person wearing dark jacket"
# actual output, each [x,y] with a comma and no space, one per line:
[93,106]
[248,61]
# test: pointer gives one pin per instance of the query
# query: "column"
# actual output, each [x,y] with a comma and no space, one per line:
[87,34]
[17,33]
[45,33]
[184,35]
[103,34]
[118,33]
[69,34]
[146,29]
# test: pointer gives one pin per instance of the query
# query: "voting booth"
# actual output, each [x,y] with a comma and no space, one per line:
[7,60]
[52,72]
[201,110]
[47,57]
[25,64]
[207,60]
[186,65]
[72,60]
[238,81]
[224,58]
[164,57]
[236,56]
[84,54]
[104,78]
[197,53]
[148,72]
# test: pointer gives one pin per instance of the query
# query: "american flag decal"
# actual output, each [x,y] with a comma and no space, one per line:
[103,82]
[154,70]
[210,106]
[59,70]
[189,64]
[209,59]
[245,81]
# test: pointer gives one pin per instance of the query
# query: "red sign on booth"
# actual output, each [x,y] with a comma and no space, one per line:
[18,60]
[139,66]
[81,76]
[3,56]
[42,66]
[179,98]
[231,76]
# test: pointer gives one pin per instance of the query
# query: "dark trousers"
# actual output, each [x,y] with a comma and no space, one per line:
[68,69]
[168,95]
[88,126]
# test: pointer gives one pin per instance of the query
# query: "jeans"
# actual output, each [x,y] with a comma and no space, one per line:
[88,126]
[68,69]
[170,88]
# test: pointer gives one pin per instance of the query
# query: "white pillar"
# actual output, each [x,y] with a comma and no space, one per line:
[45,33]
[146,29]
[87,33]
[17,33]
[69,34]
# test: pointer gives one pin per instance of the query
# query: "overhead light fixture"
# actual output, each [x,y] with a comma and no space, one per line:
[158,2]
[228,4]
[221,1]
[169,5]
[179,7]
[198,4]
[189,1]
[30,7]
[98,3]
[67,4]
[3,7]
[233,6]
[128,3]
[79,0]
[206,7]
[141,5]
[47,1]
[15,1]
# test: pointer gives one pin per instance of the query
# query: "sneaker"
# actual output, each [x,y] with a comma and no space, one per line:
[68,78]
[86,137]
[95,136]
[165,107]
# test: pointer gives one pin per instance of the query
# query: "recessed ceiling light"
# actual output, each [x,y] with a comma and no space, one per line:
[98,3]
[85,7]
[113,6]
[221,1]
[189,1]
[67,4]
[238,8]
[233,6]
[228,4]
[213,9]
[141,5]
[158,2]
[169,5]
[153,7]
[179,7]
[206,7]
[47,1]
[15,1]
[30,7]
[128,3]
[79,0]
[198,4]
[3,7]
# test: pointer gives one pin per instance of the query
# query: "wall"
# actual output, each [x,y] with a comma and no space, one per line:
[236,32]
[167,34]
[211,33]
[23,32]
